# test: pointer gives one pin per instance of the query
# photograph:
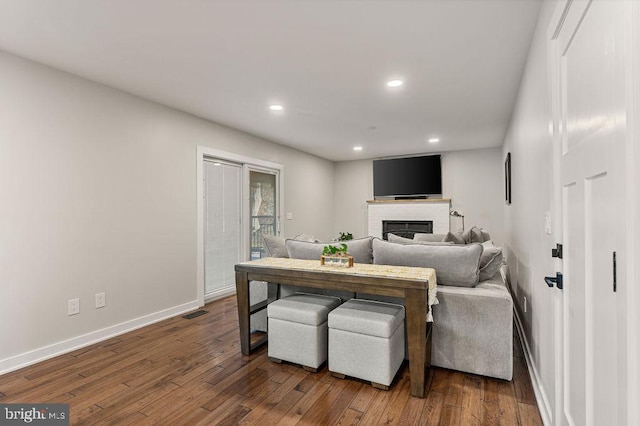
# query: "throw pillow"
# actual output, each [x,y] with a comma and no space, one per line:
[485,235]
[274,246]
[490,261]
[475,235]
[396,239]
[360,249]
[455,265]
[456,238]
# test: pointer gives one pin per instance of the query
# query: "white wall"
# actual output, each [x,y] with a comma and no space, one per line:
[527,246]
[472,179]
[98,193]
[354,186]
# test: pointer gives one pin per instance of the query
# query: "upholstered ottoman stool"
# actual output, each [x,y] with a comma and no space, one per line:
[366,340]
[298,329]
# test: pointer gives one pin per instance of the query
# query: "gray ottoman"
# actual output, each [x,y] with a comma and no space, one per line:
[366,340]
[298,329]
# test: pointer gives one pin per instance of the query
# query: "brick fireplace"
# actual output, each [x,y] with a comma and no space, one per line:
[412,213]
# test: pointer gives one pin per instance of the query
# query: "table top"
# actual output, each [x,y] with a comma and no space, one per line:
[362,269]
[388,273]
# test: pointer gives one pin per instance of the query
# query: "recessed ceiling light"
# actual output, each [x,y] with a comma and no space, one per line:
[434,140]
[395,83]
[217,164]
[276,107]
[357,148]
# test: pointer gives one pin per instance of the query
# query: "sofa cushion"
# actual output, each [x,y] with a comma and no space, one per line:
[454,264]
[472,329]
[274,246]
[490,261]
[434,238]
[360,249]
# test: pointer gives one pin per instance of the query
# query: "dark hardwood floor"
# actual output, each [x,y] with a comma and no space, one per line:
[182,372]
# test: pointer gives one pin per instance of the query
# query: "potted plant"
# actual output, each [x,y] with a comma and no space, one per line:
[345,236]
[336,256]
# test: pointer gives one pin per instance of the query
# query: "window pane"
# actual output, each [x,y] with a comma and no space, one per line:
[262,207]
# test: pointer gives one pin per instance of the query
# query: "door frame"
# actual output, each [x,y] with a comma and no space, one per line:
[247,163]
[633,208]
[557,19]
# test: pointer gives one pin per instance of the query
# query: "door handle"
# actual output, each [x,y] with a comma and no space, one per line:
[557,280]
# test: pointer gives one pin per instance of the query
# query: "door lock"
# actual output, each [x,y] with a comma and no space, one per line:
[557,252]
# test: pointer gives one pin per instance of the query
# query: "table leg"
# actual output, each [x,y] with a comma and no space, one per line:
[416,305]
[244,317]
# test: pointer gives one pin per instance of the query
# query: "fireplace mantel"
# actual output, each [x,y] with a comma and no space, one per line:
[434,209]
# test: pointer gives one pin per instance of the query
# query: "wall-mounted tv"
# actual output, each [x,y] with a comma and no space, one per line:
[411,177]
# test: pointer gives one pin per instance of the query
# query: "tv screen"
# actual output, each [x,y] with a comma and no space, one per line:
[407,177]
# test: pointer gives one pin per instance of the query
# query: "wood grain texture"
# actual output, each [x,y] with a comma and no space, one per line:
[181,371]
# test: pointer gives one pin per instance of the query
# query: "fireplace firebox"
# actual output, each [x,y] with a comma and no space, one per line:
[406,228]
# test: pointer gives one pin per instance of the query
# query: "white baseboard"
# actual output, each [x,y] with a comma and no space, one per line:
[37,355]
[219,294]
[541,396]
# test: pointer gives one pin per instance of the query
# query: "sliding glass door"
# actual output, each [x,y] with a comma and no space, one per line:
[240,202]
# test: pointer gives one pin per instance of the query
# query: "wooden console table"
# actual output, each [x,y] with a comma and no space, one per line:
[412,284]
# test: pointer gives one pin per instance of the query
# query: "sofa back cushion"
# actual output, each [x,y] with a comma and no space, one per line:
[432,238]
[396,239]
[360,249]
[274,246]
[456,265]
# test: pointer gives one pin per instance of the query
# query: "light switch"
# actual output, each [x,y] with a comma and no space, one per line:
[289,216]
[547,223]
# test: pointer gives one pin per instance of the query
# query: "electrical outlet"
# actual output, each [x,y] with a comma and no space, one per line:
[289,216]
[73,306]
[101,300]
[525,304]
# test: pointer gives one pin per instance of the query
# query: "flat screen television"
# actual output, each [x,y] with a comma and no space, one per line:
[411,177]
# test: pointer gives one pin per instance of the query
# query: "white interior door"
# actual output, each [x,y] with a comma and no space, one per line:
[223,226]
[589,60]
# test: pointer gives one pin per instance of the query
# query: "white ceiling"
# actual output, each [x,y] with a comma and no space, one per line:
[325,61]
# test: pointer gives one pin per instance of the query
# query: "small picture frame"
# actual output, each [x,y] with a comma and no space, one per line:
[507,179]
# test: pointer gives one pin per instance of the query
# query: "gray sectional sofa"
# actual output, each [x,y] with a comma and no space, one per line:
[473,320]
